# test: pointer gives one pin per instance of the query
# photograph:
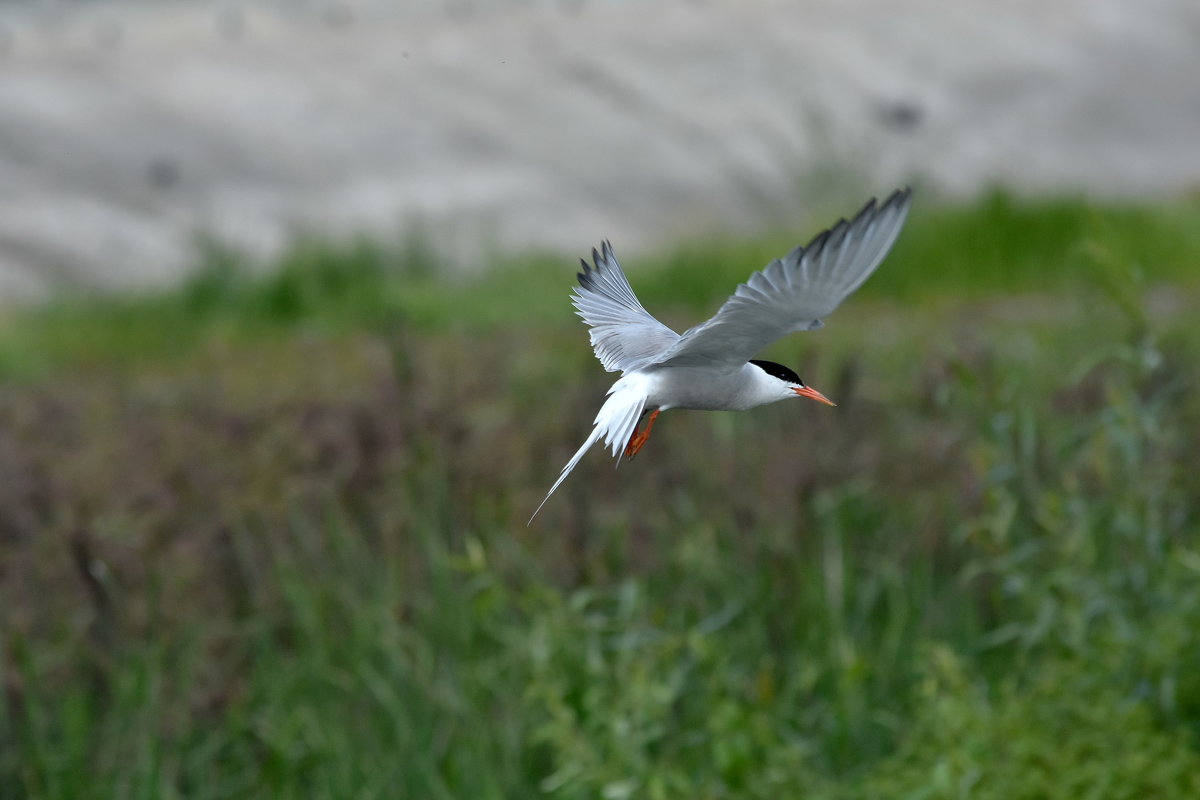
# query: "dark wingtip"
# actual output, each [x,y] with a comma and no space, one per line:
[833,232]
[599,257]
[896,198]
[899,197]
[867,210]
[819,241]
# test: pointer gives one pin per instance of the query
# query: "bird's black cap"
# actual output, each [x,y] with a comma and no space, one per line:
[779,371]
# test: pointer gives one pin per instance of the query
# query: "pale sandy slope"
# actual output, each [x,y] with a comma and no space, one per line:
[129,129]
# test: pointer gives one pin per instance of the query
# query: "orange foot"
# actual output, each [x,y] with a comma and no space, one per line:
[639,438]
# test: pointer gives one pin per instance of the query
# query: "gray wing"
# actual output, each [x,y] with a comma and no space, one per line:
[795,292]
[623,334]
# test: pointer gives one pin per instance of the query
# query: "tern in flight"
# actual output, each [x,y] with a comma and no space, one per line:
[711,366]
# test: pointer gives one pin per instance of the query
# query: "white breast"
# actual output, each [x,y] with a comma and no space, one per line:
[710,389]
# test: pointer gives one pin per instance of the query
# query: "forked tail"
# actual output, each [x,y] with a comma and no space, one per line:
[615,423]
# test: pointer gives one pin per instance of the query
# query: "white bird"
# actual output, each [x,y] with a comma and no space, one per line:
[710,367]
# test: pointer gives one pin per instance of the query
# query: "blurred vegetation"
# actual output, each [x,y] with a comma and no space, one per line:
[265,535]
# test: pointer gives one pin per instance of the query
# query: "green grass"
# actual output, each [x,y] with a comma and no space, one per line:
[266,536]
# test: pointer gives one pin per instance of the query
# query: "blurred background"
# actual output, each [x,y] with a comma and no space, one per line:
[286,361]
[132,128]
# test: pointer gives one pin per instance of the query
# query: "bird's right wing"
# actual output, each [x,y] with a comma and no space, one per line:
[623,334]
[795,292]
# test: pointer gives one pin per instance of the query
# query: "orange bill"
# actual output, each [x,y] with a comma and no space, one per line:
[808,391]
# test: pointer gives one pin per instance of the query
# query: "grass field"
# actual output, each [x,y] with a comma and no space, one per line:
[265,537]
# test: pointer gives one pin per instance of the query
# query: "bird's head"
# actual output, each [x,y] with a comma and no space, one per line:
[792,385]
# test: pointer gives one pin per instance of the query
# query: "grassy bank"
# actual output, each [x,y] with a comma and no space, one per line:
[267,537]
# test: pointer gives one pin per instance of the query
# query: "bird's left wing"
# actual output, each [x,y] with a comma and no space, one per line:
[623,334]
[794,293]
